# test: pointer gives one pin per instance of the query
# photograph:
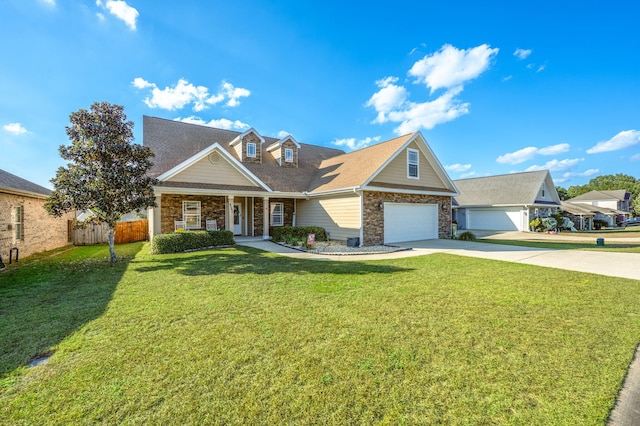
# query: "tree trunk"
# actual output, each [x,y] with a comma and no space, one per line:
[112,243]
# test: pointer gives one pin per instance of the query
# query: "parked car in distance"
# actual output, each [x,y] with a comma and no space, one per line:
[634,221]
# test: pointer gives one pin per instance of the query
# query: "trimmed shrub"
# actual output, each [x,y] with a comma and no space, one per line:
[291,234]
[467,236]
[599,224]
[190,240]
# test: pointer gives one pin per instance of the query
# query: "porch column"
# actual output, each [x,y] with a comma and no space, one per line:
[265,218]
[229,219]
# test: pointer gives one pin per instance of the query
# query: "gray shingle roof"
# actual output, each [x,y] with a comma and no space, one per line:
[510,189]
[13,182]
[319,168]
[616,194]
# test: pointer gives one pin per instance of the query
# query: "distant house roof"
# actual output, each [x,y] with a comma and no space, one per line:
[510,189]
[616,194]
[14,184]
[577,209]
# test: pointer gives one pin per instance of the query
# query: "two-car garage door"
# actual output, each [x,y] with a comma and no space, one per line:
[507,219]
[410,222]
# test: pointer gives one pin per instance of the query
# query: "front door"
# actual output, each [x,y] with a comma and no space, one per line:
[237,219]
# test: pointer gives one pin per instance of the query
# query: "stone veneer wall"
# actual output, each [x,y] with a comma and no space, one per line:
[373,217]
[211,207]
[42,232]
[289,144]
[251,138]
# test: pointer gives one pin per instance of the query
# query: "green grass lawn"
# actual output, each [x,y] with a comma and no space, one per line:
[239,336]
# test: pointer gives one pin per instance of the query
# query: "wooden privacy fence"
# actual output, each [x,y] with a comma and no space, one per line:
[91,234]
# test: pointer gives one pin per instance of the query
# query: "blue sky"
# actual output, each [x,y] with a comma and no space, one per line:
[494,87]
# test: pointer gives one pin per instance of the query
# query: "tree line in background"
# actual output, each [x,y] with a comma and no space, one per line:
[606,183]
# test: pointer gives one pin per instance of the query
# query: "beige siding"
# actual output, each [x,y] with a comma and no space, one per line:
[396,171]
[204,171]
[339,216]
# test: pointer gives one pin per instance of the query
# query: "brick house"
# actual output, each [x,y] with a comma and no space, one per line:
[390,192]
[24,223]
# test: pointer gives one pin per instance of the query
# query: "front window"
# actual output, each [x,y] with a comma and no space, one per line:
[288,155]
[412,163]
[277,214]
[191,214]
[19,222]
[251,149]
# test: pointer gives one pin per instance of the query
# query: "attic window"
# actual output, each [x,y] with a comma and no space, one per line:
[288,155]
[542,192]
[251,149]
[412,163]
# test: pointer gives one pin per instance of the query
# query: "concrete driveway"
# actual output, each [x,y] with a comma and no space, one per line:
[623,265]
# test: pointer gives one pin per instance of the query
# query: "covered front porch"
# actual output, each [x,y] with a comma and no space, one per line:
[244,215]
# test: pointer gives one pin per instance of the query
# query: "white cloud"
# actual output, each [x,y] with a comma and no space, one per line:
[586,173]
[555,165]
[121,10]
[233,93]
[184,93]
[467,175]
[15,128]
[389,97]
[49,2]
[450,66]
[522,53]
[541,68]
[447,68]
[507,78]
[457,167]
[622,140]
[221,123]
[635,157]
[283,133]
[353,144]
[529,152]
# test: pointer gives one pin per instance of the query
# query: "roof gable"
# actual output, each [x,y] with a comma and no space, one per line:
[181,169]
[281,142]
[510,189]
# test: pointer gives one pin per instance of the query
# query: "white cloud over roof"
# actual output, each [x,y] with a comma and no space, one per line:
[457,167]
[530,152]
[15,128]
[556,165]
[184,93]
[352,144]
[622,140]
[449,68]
[221,123]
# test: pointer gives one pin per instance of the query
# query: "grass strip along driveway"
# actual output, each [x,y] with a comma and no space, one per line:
[240,336]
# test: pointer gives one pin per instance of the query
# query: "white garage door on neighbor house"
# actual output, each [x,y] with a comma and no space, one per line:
[410,222]
[495,219]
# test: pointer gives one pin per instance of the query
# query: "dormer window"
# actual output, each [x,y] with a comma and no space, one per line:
[288,155]
[412,163]
[251,150]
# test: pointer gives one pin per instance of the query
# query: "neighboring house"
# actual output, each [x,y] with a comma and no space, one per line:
[505,202]
[390,192]
[24,223]
[611,206]
[580,214]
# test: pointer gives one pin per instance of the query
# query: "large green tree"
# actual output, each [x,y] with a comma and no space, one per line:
[106,173]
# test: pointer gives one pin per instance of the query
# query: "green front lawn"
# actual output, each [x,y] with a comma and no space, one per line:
[239,336]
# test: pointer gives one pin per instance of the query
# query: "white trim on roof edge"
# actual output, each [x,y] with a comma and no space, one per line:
[223,152]
[282,141]
[7,190]
[238,138]
[405,191]
[431,158]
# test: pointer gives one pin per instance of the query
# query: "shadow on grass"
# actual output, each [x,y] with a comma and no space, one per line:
[46,299]
[248,260]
